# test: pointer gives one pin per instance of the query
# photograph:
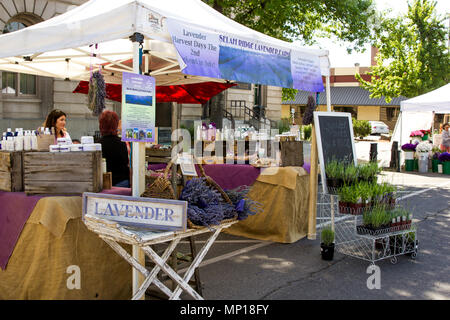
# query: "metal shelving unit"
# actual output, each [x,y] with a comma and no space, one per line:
[389,244]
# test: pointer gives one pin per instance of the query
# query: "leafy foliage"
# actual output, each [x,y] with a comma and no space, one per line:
[301,20]
[361,128]
[327,236]
[289,20]
[284,125]
[413,58]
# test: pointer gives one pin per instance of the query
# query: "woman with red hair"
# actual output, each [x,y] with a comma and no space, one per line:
[114,150]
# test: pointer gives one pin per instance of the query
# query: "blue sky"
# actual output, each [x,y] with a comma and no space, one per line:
[338,53]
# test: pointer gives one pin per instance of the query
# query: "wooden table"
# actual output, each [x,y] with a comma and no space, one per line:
[113,234]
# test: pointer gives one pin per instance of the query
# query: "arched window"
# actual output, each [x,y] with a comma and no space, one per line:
[19,83]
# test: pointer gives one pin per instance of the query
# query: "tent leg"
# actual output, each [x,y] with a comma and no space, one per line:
[138,160]
[328,93]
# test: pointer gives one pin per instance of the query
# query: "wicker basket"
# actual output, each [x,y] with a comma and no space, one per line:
[161,187]
[213,184]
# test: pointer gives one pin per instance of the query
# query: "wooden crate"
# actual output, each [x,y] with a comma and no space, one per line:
[11,171]
[291,153]
[62,173]
[153,155]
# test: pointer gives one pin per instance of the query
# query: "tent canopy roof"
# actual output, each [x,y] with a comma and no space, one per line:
[61,47]
[437,100]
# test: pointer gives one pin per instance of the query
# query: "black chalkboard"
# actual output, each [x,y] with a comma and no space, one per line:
[334,132]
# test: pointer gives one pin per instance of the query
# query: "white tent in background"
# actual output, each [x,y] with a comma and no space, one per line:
[418,112]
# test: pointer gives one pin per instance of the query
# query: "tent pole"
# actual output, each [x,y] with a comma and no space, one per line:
[138,171]
[328,93]
[312,210]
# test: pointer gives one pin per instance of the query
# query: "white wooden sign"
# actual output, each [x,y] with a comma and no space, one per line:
[186,163]
[149,213]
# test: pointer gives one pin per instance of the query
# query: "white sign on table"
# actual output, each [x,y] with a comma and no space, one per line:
[149,213]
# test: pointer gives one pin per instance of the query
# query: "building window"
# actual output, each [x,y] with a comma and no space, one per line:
[18,83]
[392,113]
[347,109]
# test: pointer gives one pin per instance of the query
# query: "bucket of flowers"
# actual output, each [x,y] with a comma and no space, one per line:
[423,149]
[409,149]
[445,159]
[435,158]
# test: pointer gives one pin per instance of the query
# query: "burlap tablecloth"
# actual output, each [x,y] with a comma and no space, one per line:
[53,239]
[284,194]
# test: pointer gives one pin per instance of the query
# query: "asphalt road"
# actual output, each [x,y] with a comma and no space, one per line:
[246,269]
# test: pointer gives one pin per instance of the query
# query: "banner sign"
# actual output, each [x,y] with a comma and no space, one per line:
[231,57]
[149,213]
[138,107]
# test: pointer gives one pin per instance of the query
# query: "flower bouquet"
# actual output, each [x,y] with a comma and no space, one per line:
[409,147]
[426,134]
[417,133]
[424,146]
[416,136]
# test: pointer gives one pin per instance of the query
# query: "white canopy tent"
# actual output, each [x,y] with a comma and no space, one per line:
[59,47]
[418,112]
[96,35]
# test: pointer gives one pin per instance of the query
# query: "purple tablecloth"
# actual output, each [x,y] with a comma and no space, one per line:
[229,176]
[118,191]
[15,209]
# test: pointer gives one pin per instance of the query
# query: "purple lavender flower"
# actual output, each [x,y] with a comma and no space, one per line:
[436,155]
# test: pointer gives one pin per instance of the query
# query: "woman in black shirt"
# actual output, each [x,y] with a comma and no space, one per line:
[114,150]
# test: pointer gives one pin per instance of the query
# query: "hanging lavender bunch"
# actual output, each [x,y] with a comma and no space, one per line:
[101,93]
[97,93]
[308,118]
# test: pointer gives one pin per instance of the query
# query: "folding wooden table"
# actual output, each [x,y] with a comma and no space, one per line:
[113,234]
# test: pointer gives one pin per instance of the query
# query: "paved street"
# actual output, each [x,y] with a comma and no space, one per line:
[240,268]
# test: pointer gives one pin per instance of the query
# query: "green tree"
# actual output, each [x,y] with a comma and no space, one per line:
[289,20]
[300,20]
[413,57]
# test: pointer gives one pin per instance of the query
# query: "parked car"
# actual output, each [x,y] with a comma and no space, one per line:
[379,127]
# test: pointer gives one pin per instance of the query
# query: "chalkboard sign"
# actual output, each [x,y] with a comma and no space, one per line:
[334,131]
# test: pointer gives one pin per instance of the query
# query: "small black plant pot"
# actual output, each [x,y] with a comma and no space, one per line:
[327,251]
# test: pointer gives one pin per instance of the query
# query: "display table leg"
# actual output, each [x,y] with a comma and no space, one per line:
[172,274]
[124,254]
[198,259]
[154,273]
